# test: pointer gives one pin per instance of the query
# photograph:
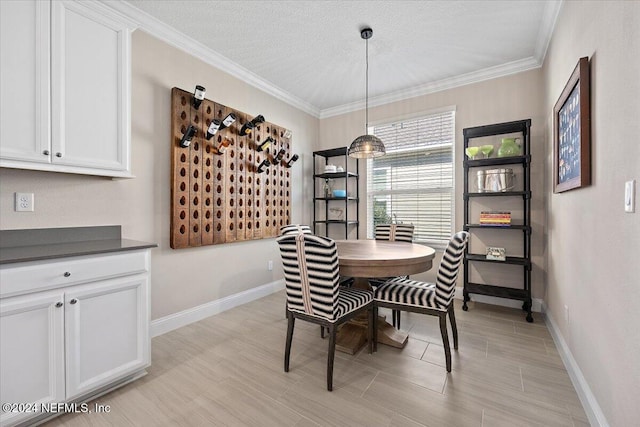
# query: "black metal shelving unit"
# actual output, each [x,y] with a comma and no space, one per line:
[523,127]
[319,201]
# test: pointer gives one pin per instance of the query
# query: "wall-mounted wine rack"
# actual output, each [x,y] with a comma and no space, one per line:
[221,197]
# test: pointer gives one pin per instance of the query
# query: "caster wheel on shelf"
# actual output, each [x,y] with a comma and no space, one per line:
[529,318]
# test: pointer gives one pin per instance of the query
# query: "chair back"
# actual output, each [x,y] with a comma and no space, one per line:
[310,265]
[449,267]
[395,232]
[295,229]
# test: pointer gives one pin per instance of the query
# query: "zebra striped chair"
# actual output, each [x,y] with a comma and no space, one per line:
[429,298]
[310,265]
[392,233]
[288,229]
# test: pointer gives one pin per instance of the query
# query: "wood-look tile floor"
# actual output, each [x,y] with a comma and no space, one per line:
[227,370]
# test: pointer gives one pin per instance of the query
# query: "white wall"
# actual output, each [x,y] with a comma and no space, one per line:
[499,100]
[593,246]
[184,278]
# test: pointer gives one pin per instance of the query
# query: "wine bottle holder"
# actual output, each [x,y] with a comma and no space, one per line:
[221,198]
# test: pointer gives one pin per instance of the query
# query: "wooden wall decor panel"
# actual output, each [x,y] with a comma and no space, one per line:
[208,185]
[219,196]
[258,198]
[180,170]
[195,181]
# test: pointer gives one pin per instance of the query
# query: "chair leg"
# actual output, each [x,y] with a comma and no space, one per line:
[330,356]
[445,339]
[371,330]
[322,332]
[398,314]
[454,327]
[287,351]
[375,328]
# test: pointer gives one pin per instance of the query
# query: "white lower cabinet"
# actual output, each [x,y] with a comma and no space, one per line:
[105,332]
[64,344]
[31,352]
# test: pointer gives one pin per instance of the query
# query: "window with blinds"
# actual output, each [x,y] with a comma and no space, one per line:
[413,182]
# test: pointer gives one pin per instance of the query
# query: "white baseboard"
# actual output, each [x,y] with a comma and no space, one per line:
[587,398]
[536,303]
[177,320]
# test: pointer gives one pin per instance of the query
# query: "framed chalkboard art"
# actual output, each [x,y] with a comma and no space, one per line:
[572,132]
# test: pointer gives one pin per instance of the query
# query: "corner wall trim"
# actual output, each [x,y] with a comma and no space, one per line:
[536,304]
[177,320]
[587,398]
[175,38]
[490,73]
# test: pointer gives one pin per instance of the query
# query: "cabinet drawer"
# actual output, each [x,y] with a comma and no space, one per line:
[16,279]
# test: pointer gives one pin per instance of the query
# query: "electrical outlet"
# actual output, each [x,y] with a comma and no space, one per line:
[566,314]
[24,202]
[270,265]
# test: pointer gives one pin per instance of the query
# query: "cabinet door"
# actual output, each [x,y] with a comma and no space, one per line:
[31,351]
[24,82]
[106,332]
[90,67]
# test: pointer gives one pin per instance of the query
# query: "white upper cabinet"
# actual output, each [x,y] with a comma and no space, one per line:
[24,81]
[90,88]
[85,65]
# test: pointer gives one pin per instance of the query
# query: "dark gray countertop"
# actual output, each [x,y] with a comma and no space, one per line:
[50,243]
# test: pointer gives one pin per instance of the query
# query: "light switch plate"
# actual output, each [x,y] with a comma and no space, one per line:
[630,196]
[24,202]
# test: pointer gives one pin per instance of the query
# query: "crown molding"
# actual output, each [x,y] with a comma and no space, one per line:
[440,85]
[175,38]
[547,25]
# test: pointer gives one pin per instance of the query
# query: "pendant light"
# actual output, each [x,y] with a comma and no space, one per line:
[366,146]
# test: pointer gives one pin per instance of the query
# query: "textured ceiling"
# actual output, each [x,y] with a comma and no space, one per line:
[313,50]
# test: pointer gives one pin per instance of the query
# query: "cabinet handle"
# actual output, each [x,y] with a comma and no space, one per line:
[45,152]
[59,304]
[67,274]
[73,301]
[58,154]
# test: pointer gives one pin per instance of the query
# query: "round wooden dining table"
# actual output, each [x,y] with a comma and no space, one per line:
[381,258]
[364,259]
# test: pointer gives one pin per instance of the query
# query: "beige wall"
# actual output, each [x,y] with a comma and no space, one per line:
[499,100]
[185,278]
[591,250]
[593,245]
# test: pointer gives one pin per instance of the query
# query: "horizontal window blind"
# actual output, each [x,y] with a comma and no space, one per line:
[413,182]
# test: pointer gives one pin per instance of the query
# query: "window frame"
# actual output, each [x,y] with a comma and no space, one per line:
[436,244]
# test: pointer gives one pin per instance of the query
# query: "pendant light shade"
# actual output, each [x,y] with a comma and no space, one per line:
[366,146]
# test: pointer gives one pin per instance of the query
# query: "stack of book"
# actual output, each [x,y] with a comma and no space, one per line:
[495,219]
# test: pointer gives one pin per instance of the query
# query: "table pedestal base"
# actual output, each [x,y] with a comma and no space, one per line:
[391,336]
[352,336]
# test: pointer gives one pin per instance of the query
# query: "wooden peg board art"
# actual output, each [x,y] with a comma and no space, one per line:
[221,198]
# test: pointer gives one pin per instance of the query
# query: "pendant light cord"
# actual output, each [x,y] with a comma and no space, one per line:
[366,98]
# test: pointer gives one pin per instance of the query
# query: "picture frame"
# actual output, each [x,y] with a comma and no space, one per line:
[496,254]
[572,132]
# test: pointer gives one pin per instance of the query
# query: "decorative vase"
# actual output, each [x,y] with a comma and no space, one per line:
[486,150]
[509,148]
[326,188]
[472,152]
